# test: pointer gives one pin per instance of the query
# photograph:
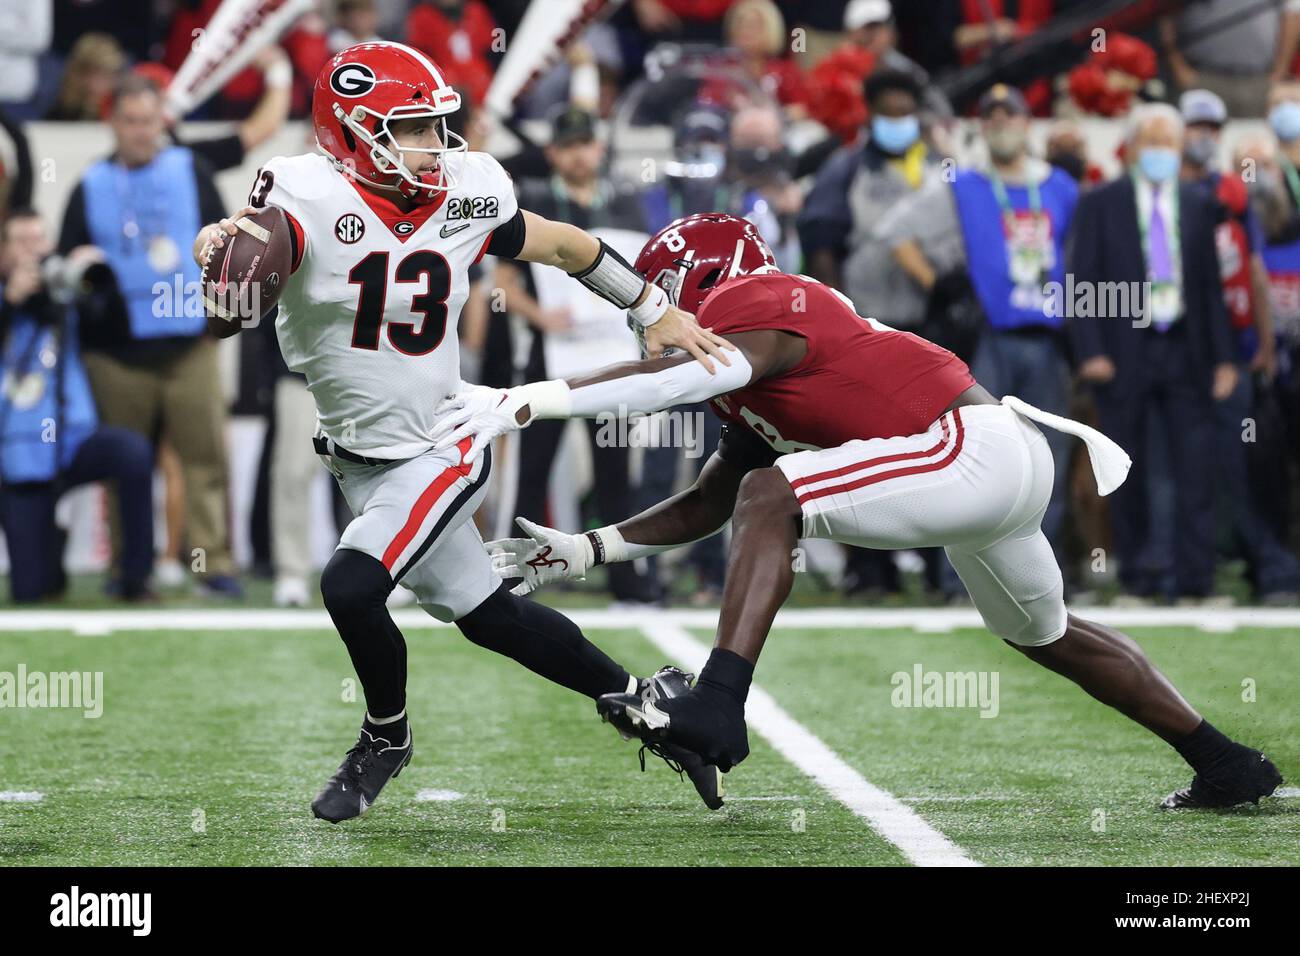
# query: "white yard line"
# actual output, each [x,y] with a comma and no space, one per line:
[21,796]
[936,620]
[439,796]
[896,822]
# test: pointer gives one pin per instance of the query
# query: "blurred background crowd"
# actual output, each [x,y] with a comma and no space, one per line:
[1095,204]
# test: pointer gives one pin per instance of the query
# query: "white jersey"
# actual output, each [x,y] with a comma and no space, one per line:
[370,315]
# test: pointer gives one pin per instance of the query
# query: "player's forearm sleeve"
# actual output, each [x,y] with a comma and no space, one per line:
[612,277]
[652,391]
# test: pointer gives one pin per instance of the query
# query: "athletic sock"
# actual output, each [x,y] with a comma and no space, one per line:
[392,729]
[1205,748]
[727,673]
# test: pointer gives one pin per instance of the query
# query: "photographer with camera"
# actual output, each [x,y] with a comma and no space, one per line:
[50,435]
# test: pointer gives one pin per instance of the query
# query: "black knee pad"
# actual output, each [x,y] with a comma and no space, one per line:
[354,582]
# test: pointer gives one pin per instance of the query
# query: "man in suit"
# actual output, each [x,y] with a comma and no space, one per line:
[1158,366]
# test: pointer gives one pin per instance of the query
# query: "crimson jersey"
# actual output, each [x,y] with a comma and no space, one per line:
[859,379]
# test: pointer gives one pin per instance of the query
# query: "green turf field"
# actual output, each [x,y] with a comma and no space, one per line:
[212,744]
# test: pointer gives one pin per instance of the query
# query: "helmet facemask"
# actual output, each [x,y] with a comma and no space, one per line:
[385,154]
[671,281]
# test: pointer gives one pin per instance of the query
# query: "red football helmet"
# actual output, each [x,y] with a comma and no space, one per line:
[364,88]
[691,257]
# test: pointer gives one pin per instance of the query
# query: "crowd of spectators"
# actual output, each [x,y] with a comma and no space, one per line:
[833,126]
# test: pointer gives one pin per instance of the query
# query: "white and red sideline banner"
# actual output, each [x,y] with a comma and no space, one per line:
[237,32]
[547,29]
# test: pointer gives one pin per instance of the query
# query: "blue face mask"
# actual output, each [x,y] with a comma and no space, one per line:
[1285,120]
[894,134]
[1158,164]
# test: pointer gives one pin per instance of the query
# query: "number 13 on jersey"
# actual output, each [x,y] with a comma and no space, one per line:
[423,267]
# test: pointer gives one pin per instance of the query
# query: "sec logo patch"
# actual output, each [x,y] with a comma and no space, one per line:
[349,228]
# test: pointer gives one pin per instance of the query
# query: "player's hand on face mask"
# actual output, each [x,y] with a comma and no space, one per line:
[678,329]
[544,557]
[481,412]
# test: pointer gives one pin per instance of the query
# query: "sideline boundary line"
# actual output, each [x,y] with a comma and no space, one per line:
[929,620]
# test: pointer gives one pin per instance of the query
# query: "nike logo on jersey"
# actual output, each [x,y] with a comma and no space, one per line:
[445,232]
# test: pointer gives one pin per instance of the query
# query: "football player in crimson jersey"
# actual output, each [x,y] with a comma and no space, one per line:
[385,223]
[840,427]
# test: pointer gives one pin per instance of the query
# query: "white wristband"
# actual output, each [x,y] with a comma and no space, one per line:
[652,309]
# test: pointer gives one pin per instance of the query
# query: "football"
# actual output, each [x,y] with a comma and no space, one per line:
[242,280]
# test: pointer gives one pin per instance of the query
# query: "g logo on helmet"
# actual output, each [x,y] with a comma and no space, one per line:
[352,79]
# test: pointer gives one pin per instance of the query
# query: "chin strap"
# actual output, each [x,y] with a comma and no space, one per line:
[414,193]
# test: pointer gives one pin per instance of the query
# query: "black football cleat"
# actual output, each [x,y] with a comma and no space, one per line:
[697,721]
[356,784]
[1243,780]
[670,682]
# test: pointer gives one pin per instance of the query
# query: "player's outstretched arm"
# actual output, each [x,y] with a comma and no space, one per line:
[603,271]
[645,386]
[206,243]
[548,555]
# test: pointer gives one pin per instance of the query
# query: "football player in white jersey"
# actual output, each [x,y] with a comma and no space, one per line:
[385,223]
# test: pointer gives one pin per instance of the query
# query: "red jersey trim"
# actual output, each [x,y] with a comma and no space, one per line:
[299,241]
[390,215]
[875,462]
[885,476]
[424,504]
